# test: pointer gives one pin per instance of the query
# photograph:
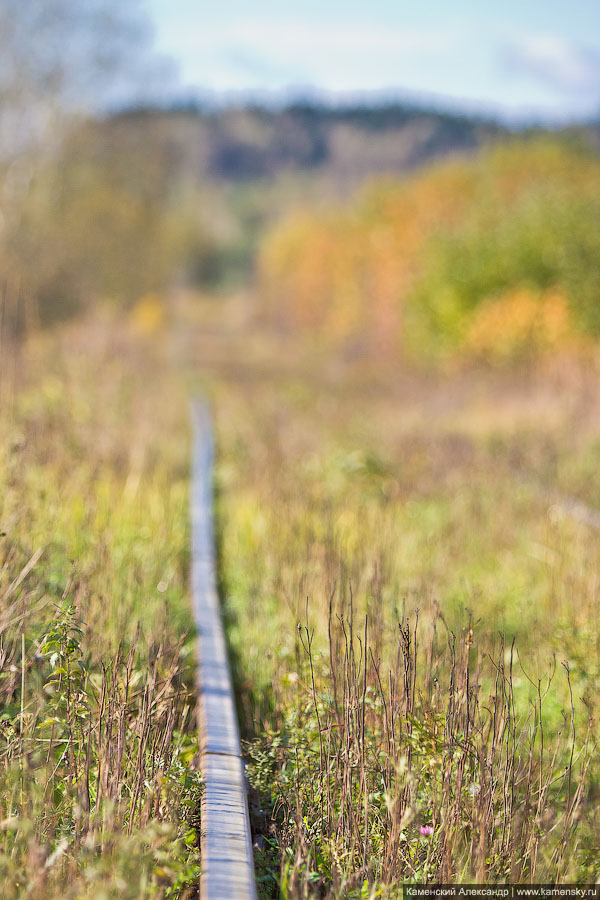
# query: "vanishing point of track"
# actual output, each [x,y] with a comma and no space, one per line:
[227,861]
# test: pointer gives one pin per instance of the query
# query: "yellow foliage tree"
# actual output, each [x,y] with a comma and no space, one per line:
[520,323]
[364,276]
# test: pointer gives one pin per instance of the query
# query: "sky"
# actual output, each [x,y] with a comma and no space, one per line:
[521,59]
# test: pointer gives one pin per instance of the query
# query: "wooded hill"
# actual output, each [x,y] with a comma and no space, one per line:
[347,142]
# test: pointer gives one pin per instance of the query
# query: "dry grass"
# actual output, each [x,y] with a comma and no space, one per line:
[99,792]
[427,713]
[349,508]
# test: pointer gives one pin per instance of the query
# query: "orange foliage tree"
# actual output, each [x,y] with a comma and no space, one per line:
[408,265]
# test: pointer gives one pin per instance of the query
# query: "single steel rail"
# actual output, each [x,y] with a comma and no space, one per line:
[227,860]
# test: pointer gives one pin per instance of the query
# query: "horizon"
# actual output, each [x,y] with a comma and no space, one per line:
[204,102]
[538,65]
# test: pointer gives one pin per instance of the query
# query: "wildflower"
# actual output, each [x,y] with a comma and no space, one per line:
[426,830]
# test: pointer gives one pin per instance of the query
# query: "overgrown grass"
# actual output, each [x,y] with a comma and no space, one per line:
[414,617]
[99,793]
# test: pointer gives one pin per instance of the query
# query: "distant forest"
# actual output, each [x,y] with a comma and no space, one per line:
[203,188]
[347,142]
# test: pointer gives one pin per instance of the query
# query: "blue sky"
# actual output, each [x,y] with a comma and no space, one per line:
[521,57]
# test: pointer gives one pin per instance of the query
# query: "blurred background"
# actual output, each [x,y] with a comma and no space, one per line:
[370,233]
[419,183]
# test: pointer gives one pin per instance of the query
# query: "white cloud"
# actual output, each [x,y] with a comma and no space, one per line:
[557,62]
[340,55]
[298,35]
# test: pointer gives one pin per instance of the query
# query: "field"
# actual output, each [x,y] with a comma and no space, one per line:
[99,794]
[411,601]
[412,597]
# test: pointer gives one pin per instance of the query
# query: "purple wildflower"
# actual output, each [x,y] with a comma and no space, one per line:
[426,830]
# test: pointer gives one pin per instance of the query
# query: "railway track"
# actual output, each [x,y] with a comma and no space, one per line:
[227,859]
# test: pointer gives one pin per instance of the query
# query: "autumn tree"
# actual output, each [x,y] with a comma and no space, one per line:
[62,63]
[492,256]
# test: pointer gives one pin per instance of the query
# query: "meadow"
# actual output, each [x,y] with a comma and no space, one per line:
[413,618]
[99,796]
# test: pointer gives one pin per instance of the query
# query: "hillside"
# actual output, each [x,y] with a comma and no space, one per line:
[348,142]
